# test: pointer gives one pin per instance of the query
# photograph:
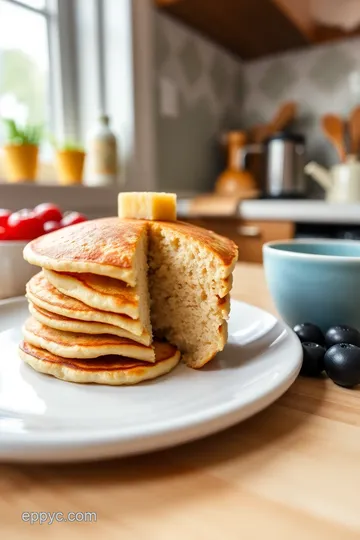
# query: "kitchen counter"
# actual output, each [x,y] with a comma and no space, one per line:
[309,211]
[293,471]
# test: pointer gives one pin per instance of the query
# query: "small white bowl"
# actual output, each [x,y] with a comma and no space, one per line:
[15,272]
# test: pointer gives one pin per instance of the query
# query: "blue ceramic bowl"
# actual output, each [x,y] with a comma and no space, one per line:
[315,281]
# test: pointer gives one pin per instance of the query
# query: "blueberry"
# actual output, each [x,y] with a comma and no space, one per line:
[342,364]
[309,332]
[342,334]
[313,359]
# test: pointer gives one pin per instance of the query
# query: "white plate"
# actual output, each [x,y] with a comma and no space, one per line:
[44,419]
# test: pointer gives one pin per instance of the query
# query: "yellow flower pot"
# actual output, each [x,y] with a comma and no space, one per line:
[21,162]
[70,166]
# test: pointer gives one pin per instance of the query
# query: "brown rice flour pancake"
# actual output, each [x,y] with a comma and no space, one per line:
[58,322]
[99,292]
[113,370]
[109,247]
[45,296]
[69,345]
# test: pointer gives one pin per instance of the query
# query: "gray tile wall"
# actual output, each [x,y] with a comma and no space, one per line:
[218,91]
[209,84]
[321,79]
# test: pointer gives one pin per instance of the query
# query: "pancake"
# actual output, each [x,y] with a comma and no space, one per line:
[112,370]
[186,268]
[109,247]
[58,322]
[99,292]
[71,345]
[189,281]
[44,295]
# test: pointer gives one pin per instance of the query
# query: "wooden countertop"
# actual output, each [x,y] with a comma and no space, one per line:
[290,473]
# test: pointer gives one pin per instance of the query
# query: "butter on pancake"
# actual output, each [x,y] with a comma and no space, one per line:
[108,247]
[99,292]
[45,296]
[58,322]
[111,370]
[83,346]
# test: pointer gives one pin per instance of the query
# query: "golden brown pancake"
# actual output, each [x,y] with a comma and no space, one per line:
[45,296]
[189,281]
[189,272]
[106,247]
[58,322]
[222,248]
[99,292]
[113,370]
[71,345]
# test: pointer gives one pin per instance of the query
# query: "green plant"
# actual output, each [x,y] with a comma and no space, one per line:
[29,134]
[69,145]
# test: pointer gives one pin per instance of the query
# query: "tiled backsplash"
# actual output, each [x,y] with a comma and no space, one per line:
[321,79]
[209,85]
[217,91]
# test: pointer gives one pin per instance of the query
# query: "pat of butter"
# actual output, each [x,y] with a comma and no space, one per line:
[147,205]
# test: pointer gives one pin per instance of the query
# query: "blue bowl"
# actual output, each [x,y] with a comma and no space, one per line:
[315,281]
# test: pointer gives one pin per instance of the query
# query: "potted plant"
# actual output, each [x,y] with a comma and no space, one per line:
[70,158]
[21,151]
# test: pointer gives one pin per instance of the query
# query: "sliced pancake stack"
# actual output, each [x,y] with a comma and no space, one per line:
[90,316]
[108,285]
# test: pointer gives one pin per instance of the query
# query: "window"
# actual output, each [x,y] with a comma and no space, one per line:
[25,75]
[62,63]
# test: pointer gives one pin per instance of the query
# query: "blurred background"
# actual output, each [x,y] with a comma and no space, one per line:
[225,103]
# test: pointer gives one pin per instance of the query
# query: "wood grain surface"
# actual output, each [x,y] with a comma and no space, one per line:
[290,473]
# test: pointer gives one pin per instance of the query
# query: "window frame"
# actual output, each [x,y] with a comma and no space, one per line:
[61,103]
[68,84]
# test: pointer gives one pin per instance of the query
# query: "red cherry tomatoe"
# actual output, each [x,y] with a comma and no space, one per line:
[72,218]
[50,226]
[4,216]
[4,234]
[24,225]
[48,212]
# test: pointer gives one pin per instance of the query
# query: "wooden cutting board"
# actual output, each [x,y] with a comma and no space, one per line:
[217,206]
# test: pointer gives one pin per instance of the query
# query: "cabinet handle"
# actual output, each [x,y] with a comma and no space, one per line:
[250,231]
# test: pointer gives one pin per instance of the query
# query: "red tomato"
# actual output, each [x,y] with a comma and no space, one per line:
[24,225]
[3,234]
[48,212]
[72,218]
[4,215]
[50,226]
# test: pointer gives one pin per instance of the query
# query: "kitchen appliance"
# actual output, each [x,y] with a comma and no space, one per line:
[284,169]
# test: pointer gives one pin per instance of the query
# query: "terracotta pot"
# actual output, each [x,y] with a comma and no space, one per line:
[70,166]
[21,162]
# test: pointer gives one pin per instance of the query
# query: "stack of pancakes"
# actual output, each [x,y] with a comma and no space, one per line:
[108,285]
[90,316]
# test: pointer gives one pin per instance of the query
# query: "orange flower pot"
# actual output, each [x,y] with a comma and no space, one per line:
[70,166]
[21,162]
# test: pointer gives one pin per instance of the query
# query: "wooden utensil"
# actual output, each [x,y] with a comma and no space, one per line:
[283,117]
[334,128]
[354,130]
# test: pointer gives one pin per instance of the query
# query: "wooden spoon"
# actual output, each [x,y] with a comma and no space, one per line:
[334,129]
[283,117]
[354,129]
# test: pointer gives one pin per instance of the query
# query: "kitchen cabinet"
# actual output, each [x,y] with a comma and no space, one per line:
[255,28]
[249,235]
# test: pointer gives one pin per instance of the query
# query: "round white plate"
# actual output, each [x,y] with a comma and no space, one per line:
[44,419]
